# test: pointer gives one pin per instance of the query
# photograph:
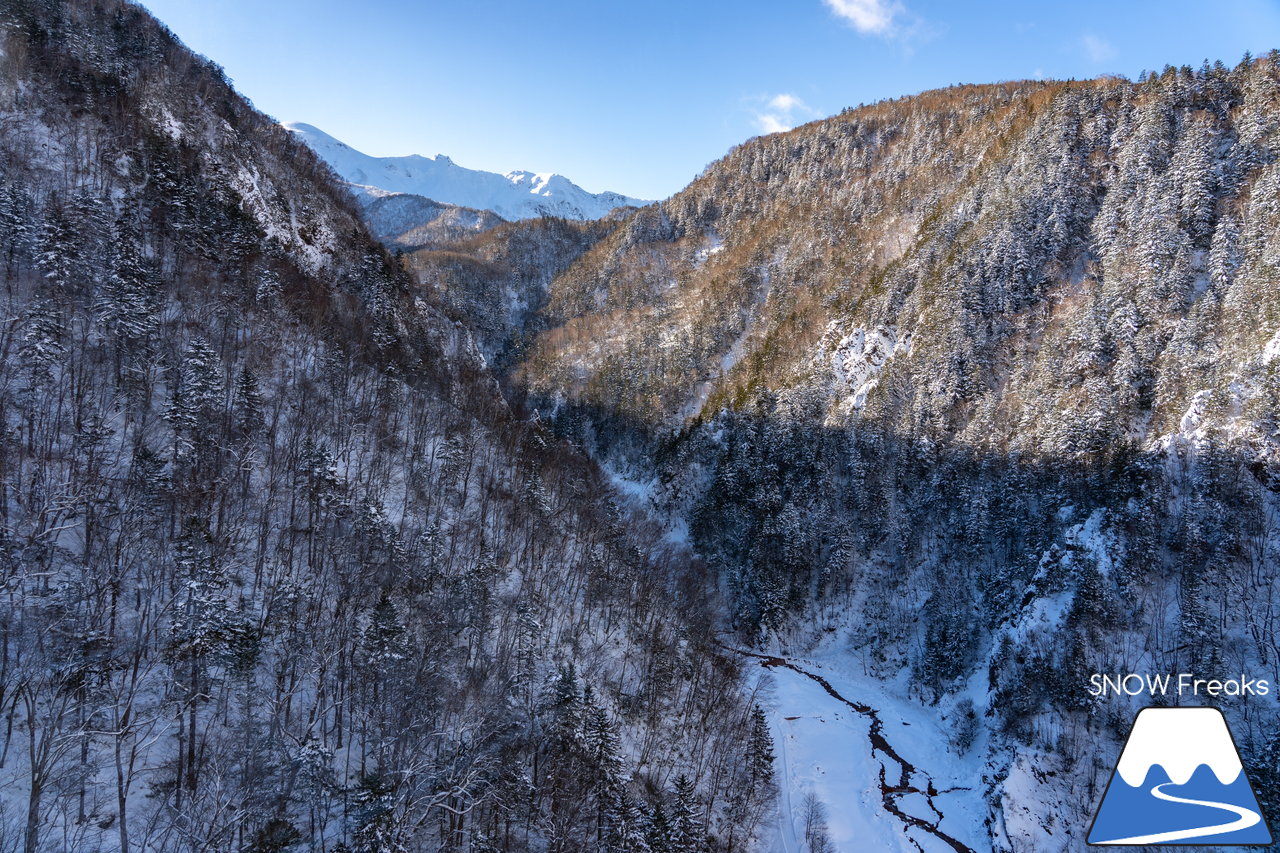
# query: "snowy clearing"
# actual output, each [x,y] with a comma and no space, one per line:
[824,746]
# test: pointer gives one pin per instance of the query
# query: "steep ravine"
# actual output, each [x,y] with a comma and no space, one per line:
[987,374]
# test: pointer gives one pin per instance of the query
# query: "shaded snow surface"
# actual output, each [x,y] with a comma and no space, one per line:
[823,746]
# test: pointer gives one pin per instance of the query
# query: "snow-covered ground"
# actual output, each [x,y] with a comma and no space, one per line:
[824,746]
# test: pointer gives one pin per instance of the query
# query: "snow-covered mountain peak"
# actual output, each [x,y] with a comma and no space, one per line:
[315,137]
[540,183]
[515,195]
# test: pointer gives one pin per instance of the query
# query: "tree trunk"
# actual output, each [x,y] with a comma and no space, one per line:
[122,796]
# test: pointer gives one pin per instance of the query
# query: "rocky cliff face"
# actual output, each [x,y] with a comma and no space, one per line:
[983,381]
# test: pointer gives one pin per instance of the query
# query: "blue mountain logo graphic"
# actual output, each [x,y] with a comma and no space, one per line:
[1179,781]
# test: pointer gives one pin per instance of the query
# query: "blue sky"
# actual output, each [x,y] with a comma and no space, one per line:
[639,97]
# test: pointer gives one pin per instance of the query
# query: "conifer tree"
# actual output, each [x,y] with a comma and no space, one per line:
[15,226]
[248,404]
[55,250]
[760,755]
[686,818]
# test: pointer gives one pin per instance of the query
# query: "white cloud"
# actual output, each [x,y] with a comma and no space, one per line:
[888,19]
[786,103]
[1097,49]
[873,17]
[770,123]
[774,114]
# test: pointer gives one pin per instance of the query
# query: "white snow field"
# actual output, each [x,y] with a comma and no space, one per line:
[824,746]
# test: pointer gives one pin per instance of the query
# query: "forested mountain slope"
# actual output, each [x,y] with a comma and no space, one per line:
[498,281]
[281,570]
[407,222]
[984,380]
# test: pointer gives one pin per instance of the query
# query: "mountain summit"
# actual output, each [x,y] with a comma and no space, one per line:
[515,195]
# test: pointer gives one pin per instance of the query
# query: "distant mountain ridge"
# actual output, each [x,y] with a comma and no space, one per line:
[407,221]
[515,195]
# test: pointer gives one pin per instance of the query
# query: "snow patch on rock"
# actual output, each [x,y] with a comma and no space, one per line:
[713,246]
[169,125]
[1194,415]
[854,360]
[312,254]
[1092,539]
[1272,350]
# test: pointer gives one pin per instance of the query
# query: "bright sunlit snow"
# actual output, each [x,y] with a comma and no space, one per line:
[515,195]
